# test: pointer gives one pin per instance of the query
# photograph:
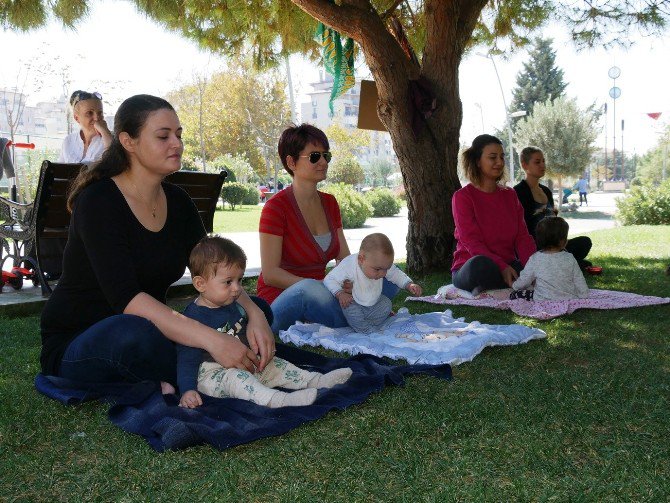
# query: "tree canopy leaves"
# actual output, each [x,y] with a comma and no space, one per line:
[243,112]
[564,132]
[540,80]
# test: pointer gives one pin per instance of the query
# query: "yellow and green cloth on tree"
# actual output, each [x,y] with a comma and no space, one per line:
[337,59]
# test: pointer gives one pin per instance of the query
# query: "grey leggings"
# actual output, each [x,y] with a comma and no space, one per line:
[366,319]
[481,273]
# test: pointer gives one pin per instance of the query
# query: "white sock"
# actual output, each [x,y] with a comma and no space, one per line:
[293,399]
[330,379]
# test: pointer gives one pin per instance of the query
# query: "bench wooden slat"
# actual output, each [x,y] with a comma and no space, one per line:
[204,189]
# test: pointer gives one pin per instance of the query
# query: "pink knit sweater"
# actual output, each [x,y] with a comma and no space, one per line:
[490,224]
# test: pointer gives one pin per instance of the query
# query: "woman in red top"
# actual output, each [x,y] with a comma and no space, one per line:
[300,232]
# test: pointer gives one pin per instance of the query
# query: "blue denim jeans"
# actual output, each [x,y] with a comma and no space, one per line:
[121,348]
[125,348]
[310,300]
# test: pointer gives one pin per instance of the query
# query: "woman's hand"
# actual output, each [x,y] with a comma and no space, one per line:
[509,274]
[261,339]
[102,129]
[229,352]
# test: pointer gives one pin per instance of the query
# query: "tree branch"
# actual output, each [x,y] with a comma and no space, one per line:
[360,22]
[346,19]
[390,10]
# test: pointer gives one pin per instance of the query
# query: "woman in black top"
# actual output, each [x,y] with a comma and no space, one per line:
[538,202]
[130,237]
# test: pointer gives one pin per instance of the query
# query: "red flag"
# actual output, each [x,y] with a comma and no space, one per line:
[655,115]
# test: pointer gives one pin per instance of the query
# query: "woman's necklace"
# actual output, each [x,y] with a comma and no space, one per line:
[148,203]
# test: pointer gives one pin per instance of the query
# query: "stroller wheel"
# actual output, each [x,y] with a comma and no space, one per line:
[16,282]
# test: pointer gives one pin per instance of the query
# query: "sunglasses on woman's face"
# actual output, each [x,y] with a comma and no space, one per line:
[315,156]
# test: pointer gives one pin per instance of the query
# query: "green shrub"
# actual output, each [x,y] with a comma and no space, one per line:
[645,205]
[233,193]
[252,195]
[346,170]
[384,203]
[354,208]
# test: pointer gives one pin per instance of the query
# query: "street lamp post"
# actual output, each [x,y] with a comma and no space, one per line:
[615,92]
[508,115]
[481,116]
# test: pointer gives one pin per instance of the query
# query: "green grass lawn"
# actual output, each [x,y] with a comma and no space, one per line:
[243,219]
[580,416]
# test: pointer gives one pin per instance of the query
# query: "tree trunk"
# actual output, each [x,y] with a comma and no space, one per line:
[428,167]
[428,161]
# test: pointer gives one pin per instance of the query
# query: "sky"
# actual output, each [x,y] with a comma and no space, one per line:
[149,59]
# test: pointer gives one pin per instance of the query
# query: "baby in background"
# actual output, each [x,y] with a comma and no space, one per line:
[217,269]
[366,308]
[554,271]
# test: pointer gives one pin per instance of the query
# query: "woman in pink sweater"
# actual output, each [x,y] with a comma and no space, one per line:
[493,243]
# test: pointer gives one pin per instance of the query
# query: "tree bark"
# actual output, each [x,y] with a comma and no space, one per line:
[428,161]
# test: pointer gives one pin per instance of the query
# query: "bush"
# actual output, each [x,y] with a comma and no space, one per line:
[384,203]
[347,170]
[646,205]
[234,193]
[354,208]
[252,195]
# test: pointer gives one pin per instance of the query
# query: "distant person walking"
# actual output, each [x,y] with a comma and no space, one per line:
[582,186]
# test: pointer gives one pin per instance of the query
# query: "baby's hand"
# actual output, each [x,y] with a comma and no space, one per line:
[414,289]
[348,285]
[344,298]
[191,399]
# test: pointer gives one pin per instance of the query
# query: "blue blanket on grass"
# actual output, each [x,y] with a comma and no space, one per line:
[226,422]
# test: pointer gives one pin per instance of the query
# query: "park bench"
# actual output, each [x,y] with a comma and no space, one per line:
[204,189]
[38,231]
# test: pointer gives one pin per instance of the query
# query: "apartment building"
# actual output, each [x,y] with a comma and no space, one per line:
[317,112]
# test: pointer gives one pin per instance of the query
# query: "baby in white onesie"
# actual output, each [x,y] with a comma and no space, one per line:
[366,308]
[553,271]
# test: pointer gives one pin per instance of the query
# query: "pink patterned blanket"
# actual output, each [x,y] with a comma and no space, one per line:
[544,309]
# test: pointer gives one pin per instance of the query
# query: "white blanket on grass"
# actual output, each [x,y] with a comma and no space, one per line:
[430,338]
